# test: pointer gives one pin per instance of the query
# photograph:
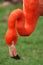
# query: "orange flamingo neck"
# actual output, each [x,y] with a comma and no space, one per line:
[31,13]
[25,21]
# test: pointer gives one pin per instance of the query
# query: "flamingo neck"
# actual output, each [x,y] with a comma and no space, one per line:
[31,13]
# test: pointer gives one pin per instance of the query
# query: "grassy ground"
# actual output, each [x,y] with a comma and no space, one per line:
[29,48]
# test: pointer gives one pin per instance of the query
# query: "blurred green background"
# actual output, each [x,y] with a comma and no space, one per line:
[29,48]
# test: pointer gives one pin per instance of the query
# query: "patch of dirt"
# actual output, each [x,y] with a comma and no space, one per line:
[5,4]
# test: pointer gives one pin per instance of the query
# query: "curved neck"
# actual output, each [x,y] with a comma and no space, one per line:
[31,13]
[26,20]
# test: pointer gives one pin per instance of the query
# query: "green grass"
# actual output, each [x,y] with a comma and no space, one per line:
[29,48]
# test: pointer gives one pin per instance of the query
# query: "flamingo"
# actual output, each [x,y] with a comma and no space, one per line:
[22,22]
